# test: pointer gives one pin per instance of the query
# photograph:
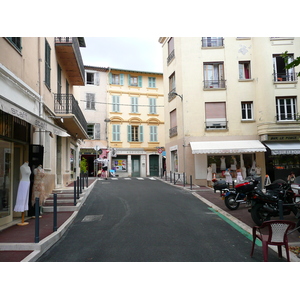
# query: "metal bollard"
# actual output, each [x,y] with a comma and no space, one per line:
[280,207]
[183,179]
[82,180]
[75,193]
[77,187]
[170,176]
[54,212]
[191,182]
[37,220]
[80,184]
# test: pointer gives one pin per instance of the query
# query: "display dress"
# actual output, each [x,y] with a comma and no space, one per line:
[209,174]
[223,164]
[239,177]
[23,189]
[38,189]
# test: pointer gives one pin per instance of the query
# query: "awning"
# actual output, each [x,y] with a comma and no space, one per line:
[23,114]
[223,147]
[283,148]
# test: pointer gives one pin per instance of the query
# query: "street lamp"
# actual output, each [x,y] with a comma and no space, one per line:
[181,97]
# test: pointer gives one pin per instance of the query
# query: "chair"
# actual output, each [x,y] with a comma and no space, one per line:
[274,233]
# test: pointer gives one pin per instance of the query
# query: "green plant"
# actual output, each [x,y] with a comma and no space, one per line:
[83,165]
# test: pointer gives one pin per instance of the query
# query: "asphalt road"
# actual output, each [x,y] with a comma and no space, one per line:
[149,221]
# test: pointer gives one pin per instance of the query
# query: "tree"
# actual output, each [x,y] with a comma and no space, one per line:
[293,64]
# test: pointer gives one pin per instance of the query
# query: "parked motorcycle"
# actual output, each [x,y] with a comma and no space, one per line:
[265,205]
[233,197]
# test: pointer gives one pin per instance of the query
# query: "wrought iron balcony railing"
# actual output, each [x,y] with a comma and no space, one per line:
[212,42]
[215,125]
[287,117]
[214,84]
[67,104]
[170,57]
[290,76]
[173,131]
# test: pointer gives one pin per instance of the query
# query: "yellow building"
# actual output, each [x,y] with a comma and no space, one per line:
[40,120]
[230,103]
[135,106]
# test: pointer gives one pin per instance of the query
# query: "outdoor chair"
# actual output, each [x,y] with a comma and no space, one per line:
[272,233]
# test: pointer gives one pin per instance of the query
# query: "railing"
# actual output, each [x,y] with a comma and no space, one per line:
[212,42]
[75,43]
[67,104]
[171,94]
[287,117]
[170,57]
[214,84]
[290,76]
[216,125]
[173,131]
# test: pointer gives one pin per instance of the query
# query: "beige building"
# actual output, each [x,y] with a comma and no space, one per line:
[40,120]
[135,108]
[93,103]
[230,103]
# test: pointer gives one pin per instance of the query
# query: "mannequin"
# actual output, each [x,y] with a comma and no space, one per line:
[209,175]
[38,189]
[23,192]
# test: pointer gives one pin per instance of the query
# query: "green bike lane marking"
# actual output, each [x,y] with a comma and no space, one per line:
[235,226]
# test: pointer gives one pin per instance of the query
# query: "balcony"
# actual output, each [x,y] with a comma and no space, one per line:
[69,58]
[280,77]
[173,131]
[215,124]
[66,108]
[214,84]
[211,42]
[171,57]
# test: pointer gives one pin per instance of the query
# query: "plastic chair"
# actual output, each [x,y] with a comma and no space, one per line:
[275,233]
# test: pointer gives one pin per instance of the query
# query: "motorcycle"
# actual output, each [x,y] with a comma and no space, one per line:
[233,197]
[265,205]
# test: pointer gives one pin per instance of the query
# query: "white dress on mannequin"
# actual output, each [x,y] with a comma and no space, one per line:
[23,189]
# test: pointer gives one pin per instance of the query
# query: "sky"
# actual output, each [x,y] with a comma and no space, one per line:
[130,53]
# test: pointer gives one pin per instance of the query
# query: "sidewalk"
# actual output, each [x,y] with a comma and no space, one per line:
[17,243]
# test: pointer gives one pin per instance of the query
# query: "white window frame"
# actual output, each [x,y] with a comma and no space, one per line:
[246,107]
[283,108]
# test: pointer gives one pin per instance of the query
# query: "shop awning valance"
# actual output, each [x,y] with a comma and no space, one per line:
[283,148]
[227,147]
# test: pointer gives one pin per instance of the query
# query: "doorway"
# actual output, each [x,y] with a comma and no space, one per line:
[136,166]
[154,165]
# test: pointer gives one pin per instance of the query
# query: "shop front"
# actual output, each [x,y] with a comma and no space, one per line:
[214,159]
[282,156]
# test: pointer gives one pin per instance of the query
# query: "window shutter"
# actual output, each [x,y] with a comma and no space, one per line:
[110,78]
[140,80]
[115,103]
[116,133]
[121,79]
[97,131]
[129,133]
[141,133]
[97,78]
[129,79]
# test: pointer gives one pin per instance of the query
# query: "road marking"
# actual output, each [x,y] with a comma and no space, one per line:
[92,218]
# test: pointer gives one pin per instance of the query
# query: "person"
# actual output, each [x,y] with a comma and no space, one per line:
[291,178]
[23,189]
[104,166]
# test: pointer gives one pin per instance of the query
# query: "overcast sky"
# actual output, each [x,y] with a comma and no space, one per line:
[131,53]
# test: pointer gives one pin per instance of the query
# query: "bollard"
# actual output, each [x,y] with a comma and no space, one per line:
[191,182]
[80,187]
[174,178]
[87,179]
[77,187]
[166,176]
[183,179]
[170,176]
[37,220]
[75,193]
[82,180]
[54,212]
[280,206]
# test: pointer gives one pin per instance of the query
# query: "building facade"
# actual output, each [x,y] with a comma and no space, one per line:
[93,103]
[230,103]
[40,120]
[135,108]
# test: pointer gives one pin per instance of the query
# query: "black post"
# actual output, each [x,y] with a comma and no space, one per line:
[191,182]
[82,180]
[174,178]
[87,179]
[54,212]
[74,192]
[77,187]
[170,176]
[80,183]
[280,206]
[183,179]
[37,220]
[166,176]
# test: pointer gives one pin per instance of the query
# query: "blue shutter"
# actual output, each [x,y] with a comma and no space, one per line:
[121,79]
[110,78]
[141,133]
[116,133]
[140,80]
[129,139]
[129,83]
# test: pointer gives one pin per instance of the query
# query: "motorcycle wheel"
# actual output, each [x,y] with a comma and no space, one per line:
[298,225]
[231,203]
[258,214]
